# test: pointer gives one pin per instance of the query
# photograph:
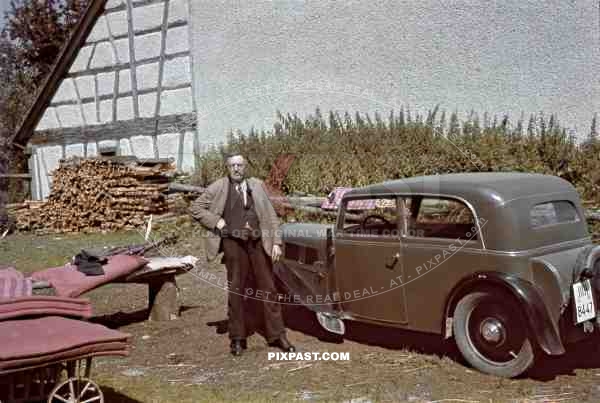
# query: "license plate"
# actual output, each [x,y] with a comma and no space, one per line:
[584,301]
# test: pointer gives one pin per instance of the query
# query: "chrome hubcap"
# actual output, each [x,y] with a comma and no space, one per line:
[492,331]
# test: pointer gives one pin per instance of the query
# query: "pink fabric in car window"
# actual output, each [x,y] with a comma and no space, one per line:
[334,201]
[69,282]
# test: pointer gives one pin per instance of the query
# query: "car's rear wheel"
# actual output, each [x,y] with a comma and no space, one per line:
[492,334]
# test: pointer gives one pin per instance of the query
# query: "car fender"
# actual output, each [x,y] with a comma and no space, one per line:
[541,326]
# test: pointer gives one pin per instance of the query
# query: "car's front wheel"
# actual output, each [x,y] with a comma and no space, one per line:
[491,333]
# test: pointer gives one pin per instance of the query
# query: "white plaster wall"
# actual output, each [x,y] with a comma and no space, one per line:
[143,146]
[49,158]
[32,165]
[177,71]
[69,115]
[122,49]
[85,86]
[147,46]
[110,4]
[103,55]
[124,81]
[106,83]
[82,59]
[65,92]
[99,31]
[91,149]
[147,17]
[147,76]
[176,101]
[168,145]
[106,111]
[177,40]
[178,10]
[48,120]
[117,22]
[147,105]
[89,113]
[125,108]
[73,150]
[188,160]
[125,147]
[43,179]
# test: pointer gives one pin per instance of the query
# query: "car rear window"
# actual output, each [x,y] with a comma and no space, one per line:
[554,212]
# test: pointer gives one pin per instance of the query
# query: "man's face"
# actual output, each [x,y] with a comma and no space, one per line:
[237,168]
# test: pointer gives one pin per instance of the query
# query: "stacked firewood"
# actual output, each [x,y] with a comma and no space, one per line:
[99,193]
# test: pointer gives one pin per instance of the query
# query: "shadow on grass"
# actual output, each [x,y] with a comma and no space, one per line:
[583,355]
[114,396]
[303,320]
[119,319]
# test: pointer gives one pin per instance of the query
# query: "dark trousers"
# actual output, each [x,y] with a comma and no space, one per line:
[241,259]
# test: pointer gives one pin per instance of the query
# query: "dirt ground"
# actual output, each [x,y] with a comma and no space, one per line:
[185,360]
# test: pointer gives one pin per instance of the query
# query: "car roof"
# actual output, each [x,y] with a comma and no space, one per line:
[485,187]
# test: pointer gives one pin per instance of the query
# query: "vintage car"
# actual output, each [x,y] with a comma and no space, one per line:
[502,262]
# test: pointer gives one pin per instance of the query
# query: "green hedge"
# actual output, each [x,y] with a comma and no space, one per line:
[357,150]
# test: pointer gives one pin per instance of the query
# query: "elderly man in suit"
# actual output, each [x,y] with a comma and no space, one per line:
[243,224]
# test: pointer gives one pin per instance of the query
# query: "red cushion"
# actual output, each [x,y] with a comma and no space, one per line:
[44,305]
[51,334]
[69,282]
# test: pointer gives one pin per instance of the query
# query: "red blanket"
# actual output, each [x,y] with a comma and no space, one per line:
[68,282]
[33,340]
[76,353]
[44,305]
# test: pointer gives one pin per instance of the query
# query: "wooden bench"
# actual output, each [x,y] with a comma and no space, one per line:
[163,295]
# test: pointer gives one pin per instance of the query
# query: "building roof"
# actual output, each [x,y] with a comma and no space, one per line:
[62,65]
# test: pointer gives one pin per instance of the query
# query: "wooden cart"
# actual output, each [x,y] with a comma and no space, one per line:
[55,382]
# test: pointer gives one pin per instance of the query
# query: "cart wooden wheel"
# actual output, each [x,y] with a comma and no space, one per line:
[76,390]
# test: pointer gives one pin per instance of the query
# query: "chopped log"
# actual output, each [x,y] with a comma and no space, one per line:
[180,187]
[103,193]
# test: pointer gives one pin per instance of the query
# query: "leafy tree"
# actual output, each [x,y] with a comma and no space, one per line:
[593,136]
[454,129]
[34,33]
[41,27]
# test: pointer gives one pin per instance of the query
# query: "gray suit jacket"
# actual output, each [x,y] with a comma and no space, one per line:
[208,209]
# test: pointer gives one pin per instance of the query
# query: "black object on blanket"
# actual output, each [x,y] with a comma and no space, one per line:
[89,263]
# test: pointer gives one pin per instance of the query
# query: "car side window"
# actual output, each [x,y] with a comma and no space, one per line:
[442,218]
[372,217]
[555,212]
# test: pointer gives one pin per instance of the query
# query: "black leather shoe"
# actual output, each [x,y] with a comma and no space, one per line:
[284,344]
[236,347]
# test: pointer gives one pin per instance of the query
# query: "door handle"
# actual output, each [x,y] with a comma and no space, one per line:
[392,262]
